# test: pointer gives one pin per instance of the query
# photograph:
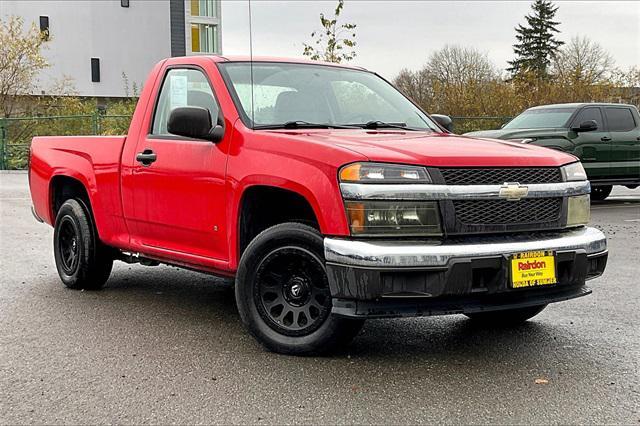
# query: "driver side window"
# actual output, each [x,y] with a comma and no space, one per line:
[591,113]
[180,88]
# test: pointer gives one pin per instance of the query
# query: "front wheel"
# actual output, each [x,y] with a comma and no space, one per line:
[83,262]
[506,317]
[599,193]
[283,296]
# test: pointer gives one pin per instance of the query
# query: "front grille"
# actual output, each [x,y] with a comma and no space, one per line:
[489,176]
[525,211]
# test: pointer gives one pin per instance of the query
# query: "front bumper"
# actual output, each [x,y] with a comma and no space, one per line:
[376,278]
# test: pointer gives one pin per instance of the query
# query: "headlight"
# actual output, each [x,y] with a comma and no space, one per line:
[383,173]
[521,140]
[579,210]
[372,218]
[574,171]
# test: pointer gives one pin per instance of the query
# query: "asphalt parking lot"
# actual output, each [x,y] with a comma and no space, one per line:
[162,345]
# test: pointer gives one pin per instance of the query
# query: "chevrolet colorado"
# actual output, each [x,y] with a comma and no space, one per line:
[605,137]
[325,194]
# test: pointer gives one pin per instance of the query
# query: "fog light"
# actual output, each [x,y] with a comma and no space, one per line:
[579,210]
[393,218]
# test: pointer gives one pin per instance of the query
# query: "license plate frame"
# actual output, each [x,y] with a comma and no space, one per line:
[532,269]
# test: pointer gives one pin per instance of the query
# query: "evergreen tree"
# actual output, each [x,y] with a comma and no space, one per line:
[537,45]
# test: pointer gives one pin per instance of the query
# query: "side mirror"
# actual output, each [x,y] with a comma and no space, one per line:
[194,122]
[444,121]
[586,126]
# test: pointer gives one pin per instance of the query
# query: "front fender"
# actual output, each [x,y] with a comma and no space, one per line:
[559,143]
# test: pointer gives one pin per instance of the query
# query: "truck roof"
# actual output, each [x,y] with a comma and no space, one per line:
[245,58]
[577,105]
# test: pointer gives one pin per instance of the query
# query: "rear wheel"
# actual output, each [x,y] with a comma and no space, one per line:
[506,317]
[83,262]
[283,296]
[599,193]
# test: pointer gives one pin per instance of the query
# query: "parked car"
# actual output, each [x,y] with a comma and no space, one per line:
[606,138]
[324,210]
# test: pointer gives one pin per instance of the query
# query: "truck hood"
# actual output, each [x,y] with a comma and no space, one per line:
[433,149]
[517,133]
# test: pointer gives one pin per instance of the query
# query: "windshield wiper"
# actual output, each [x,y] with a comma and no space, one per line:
[377,124]
[300,124]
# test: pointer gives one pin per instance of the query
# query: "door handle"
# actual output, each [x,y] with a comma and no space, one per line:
[146,157]
[605,139]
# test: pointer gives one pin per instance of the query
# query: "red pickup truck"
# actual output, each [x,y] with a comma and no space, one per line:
[326,194]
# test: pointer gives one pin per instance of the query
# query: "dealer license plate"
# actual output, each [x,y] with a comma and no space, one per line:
[533,268]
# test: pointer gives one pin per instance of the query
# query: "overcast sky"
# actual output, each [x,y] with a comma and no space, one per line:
[396,34]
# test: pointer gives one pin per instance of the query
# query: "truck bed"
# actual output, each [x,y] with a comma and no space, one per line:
[94,161]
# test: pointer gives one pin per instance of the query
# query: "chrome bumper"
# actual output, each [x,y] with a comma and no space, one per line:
[357,191]
[420,254]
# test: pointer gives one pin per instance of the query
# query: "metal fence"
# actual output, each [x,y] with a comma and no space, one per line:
[16,133]
[471,124]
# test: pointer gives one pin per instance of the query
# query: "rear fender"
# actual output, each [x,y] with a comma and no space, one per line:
[100,182]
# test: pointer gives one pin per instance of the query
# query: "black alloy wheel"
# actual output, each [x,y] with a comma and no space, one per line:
[68,245]
[292,291]
[82,260]
[283,293]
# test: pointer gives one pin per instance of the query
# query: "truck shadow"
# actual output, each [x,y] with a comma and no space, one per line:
[198,300]
[446,336]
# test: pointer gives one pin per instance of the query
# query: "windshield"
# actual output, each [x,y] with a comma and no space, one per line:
[541,118]
[308,95]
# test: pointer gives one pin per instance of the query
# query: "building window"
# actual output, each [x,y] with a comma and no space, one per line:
[95,70]
[206,8]
[203,38]
[44,27]
[202,26]
[124,3]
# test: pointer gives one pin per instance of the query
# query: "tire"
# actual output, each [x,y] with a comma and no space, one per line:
[282,293]
[83,262]
[599,193]
[507,317]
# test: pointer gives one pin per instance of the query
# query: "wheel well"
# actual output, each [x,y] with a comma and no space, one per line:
[264,206]
[64,188]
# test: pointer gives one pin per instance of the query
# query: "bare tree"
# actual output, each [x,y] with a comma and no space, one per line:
[414,84]
[456,65]
[455,80]
[583,61]
[20,61]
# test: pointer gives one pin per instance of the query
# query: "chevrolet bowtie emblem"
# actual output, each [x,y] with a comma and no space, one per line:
[513,191]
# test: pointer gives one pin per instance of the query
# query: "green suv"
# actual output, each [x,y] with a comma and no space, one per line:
[606,138]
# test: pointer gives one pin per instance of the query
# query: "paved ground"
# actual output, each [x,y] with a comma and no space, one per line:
[161,345]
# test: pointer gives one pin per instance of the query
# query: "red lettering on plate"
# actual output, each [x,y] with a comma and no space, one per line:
[536,264]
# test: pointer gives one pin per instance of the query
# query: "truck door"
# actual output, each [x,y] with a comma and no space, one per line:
[177,183]
[593,148]
[625,142]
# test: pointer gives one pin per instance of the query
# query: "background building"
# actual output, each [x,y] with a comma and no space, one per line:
[108,47]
